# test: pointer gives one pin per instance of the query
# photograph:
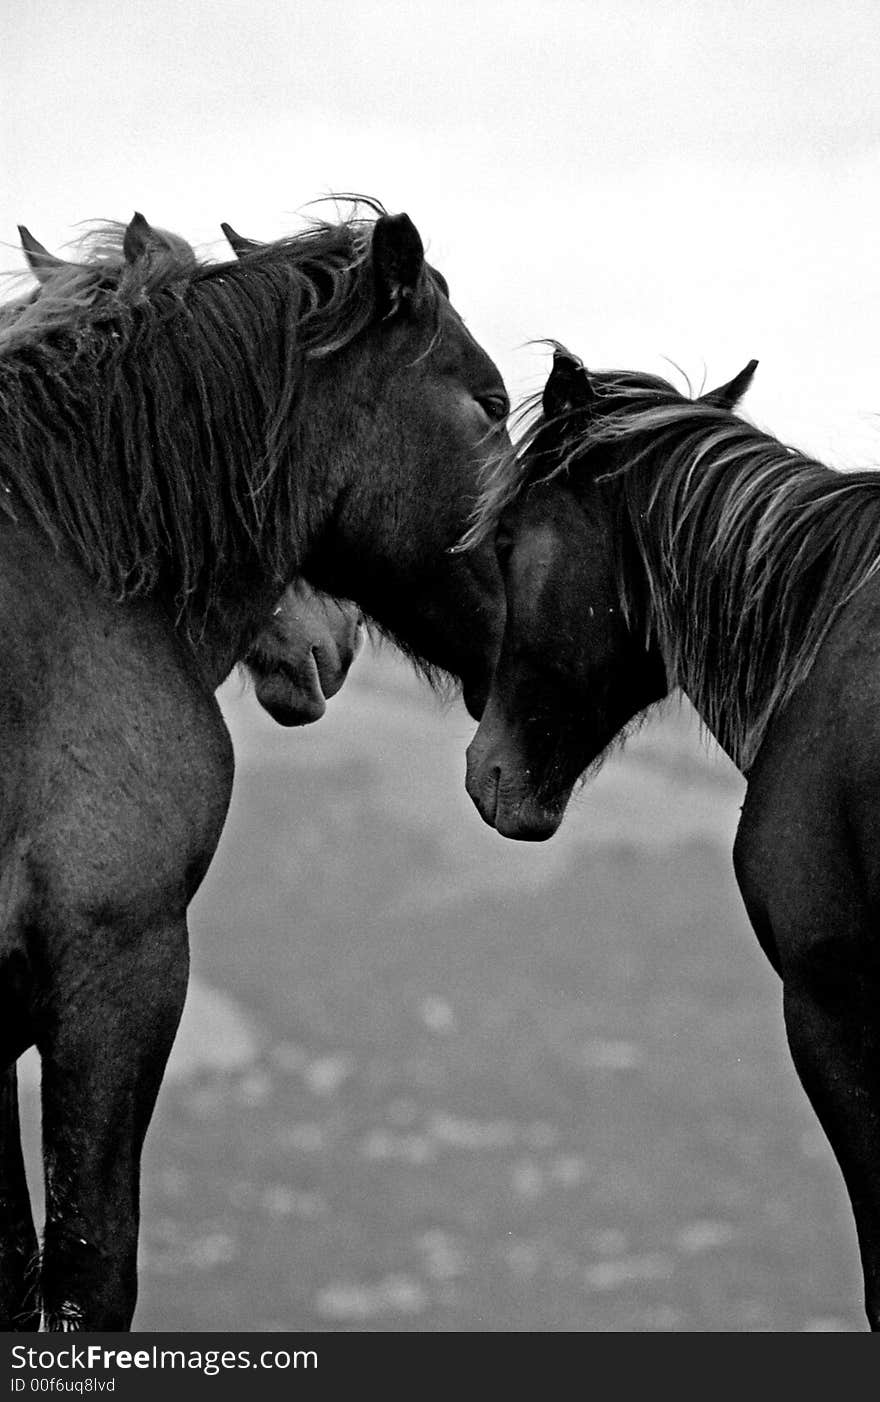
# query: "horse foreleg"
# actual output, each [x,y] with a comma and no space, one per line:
[103,1061]
[19,1257]
[832,1019]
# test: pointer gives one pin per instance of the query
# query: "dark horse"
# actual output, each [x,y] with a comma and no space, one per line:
[647,542]
[302,656]
[167,467]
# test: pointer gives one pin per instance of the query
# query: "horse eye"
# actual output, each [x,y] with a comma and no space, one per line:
[503,550]
[495,406]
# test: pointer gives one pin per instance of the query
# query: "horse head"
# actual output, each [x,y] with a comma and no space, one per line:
[581,657]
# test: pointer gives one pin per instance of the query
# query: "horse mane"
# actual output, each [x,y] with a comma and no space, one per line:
[750,548]
[98,272]
[119,433]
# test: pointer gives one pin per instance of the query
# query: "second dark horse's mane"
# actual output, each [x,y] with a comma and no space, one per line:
[120,436]
[749,548]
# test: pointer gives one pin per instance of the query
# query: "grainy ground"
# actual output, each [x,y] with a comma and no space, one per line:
[431,1080]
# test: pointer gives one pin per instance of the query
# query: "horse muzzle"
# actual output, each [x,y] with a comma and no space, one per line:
[500,792]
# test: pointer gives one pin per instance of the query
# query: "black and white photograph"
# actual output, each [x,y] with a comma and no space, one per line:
[439,669]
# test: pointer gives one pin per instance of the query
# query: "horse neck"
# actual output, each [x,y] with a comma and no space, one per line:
[747,553]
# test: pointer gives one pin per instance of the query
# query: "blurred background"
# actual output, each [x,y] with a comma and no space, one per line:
[428,1079]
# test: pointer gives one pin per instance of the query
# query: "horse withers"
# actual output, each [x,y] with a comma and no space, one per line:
[315,410]
[648,542]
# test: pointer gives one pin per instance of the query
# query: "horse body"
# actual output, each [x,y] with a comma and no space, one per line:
[170,468]
[649,542]
[137,756]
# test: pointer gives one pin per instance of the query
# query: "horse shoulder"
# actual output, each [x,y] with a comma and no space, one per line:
[121,764]
[812,806]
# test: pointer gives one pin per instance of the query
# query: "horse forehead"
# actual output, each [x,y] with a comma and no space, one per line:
[537,552]
[458,349]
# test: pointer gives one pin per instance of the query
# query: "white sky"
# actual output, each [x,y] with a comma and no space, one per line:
[637,178]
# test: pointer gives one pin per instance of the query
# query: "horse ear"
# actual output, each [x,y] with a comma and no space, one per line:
[41,262]
[568,386]
[139,238]
[237,242]
[728,396]
[398,261]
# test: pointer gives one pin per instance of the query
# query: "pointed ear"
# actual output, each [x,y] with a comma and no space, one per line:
[139,238]
[398,261]
[41,262]
[237,242]
[728,396]
[568,386]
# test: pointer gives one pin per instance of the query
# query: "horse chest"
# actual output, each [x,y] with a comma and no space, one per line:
[124,767]
[133,813]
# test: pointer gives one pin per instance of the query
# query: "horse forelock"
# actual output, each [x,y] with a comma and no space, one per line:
[526,461]
[92,411]
[505,473]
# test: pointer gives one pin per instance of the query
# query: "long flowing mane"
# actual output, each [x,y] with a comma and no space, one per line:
[120,438]
[98,272]
[750,549]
